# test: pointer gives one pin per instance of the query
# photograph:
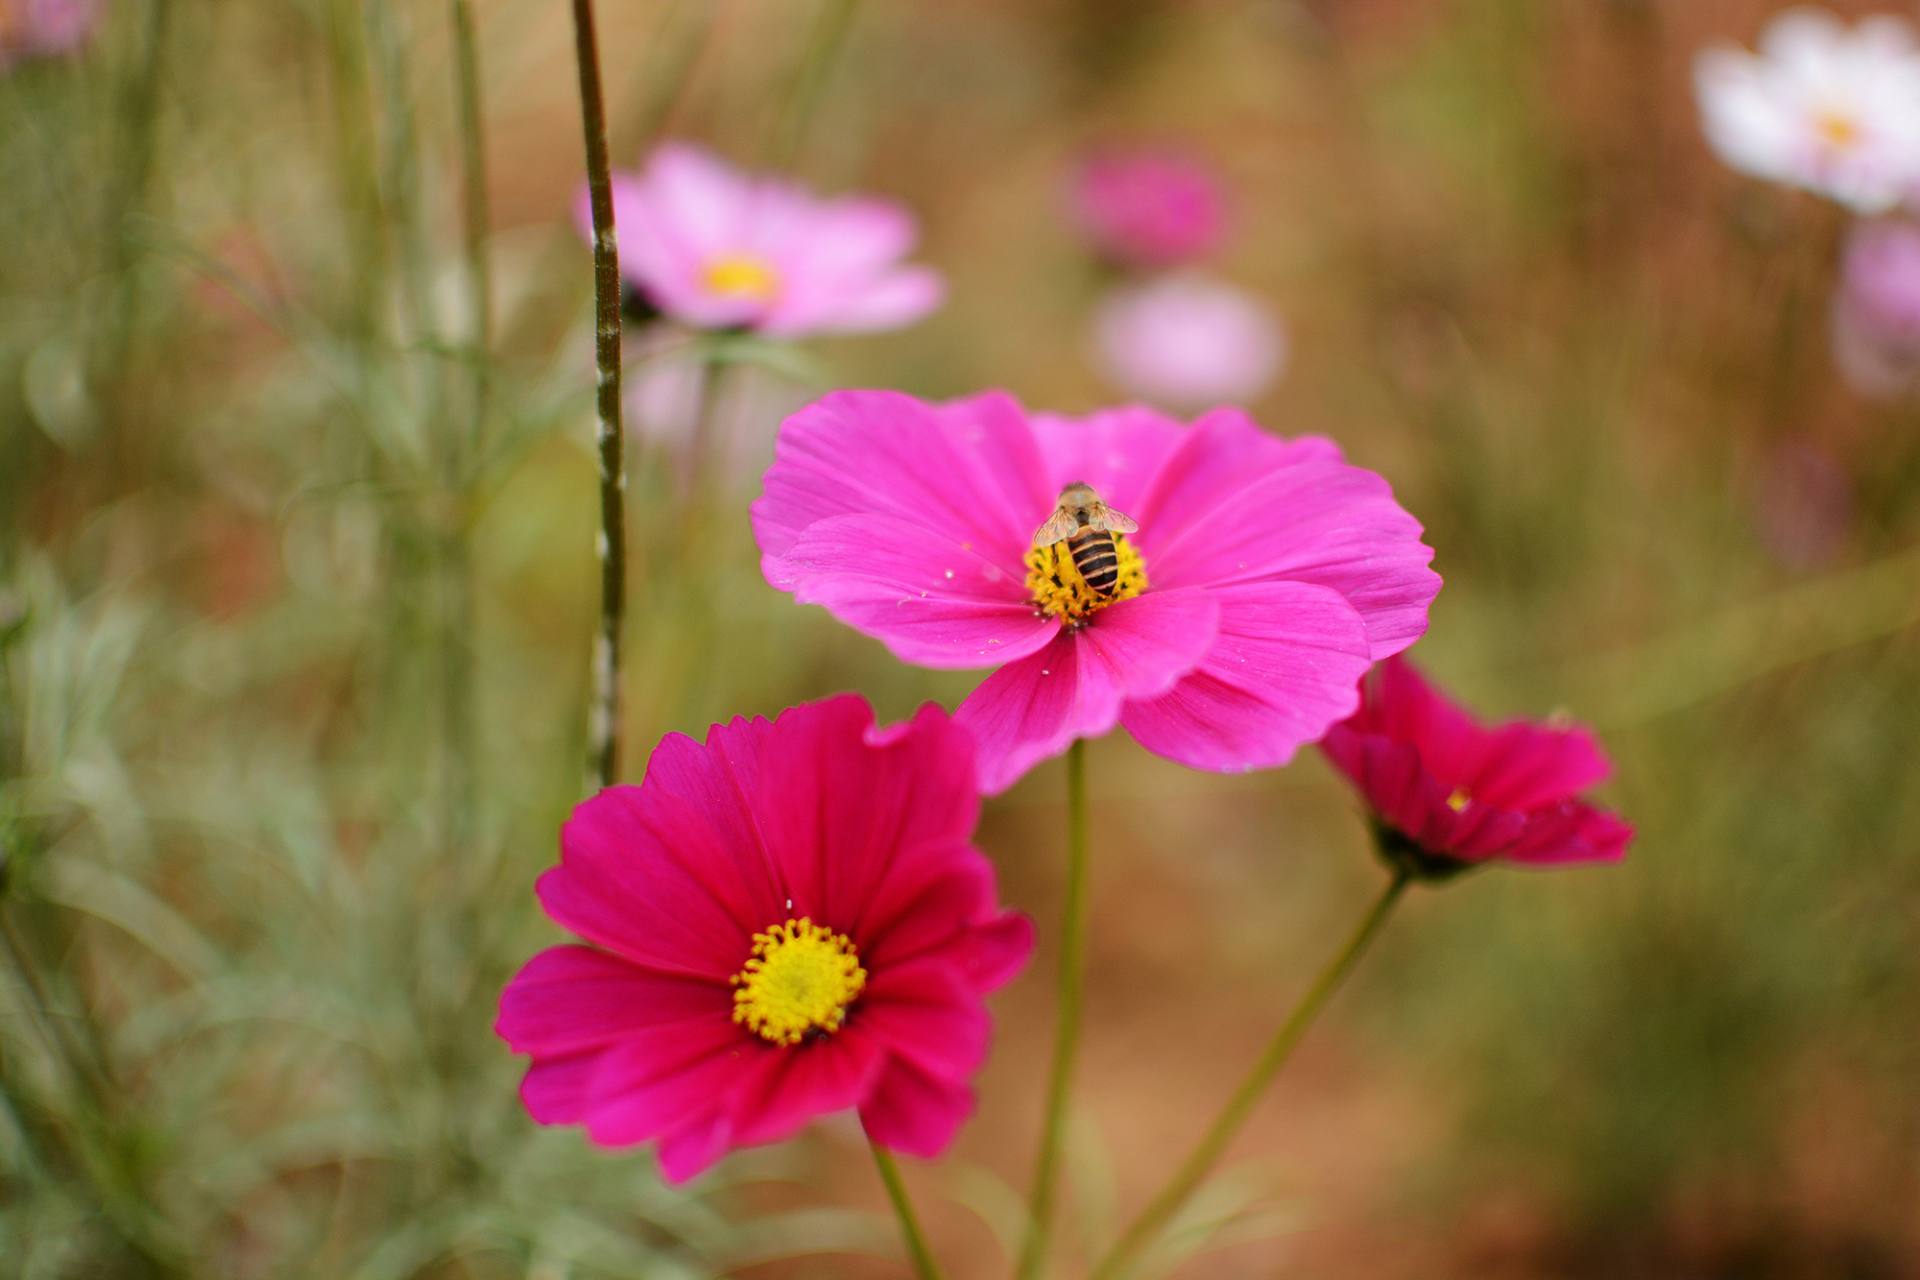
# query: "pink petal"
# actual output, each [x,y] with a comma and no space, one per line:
[1234,505]
[1074,688]
[914,1112]
[969,469]
[571,998]
[1117,451]
[1283,670]
[919,589]
[891,300]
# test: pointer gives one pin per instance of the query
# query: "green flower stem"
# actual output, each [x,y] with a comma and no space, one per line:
[910,1234]
[1146,1228]
[604,717]
[1066,1036]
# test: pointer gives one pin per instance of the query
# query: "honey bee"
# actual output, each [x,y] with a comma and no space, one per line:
[1087,526]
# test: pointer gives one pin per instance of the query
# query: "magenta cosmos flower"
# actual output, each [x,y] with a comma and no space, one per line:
[788,920]
[1447,793]
[1261,579]
[1146,207]
[715,248]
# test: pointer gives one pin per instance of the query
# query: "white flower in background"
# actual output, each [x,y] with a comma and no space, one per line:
[1831,108]
[1188,341]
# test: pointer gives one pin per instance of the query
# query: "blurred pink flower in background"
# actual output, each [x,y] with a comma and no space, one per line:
[1805,505]
[44,28]
[1447,792]
[789,919]
[1188,342]
[716,248]
[663,386]
[1822,106]
[1149,207]
[1876,313]
[1264,577]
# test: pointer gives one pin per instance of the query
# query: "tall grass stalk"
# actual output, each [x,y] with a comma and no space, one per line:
[603,732]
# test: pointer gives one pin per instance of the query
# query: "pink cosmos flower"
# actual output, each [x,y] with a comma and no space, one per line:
[1149,208]
[1447,793]
[1264,577]
[788,920]
[719,249]
[1188,341]
[44,28]
[1876,315]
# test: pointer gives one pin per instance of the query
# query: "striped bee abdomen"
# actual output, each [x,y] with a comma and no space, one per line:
[1097,559]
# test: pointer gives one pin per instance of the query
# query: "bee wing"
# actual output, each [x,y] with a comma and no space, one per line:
[1059,527]
[1112,521]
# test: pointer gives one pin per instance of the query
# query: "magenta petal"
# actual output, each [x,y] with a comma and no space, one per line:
[925,1011]
[1283,670]
[570,998]
[1572,832]
[969,469]
[914,1112]
[672,875]
[656,1078]
[694,1147]
[926,594]
[1074,688]
[1234,505]
[1523,766]
[798,1087]
[1117,451]
[849,802]
[557,1090]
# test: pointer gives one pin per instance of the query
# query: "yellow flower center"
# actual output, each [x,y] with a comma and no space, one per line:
[1459,800]
[1838,129]
[742,275]
[800,979]
[1056,586]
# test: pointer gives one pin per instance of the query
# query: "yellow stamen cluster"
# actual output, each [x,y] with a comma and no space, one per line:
[1838,129]
[1459,800]
[1056,587]
[799,980]
[742,275]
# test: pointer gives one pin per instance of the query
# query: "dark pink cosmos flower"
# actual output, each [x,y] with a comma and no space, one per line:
[788,920]
[1447,792]
[1263,579]
[1149,207]
[715,248]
